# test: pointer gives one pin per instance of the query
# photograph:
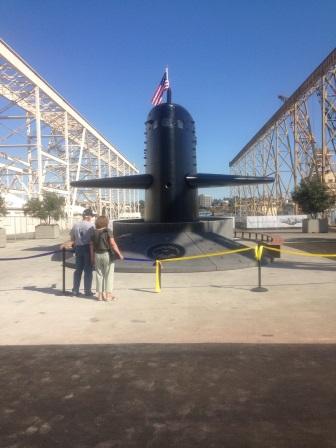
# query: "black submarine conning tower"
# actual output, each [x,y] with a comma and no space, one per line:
[171,155]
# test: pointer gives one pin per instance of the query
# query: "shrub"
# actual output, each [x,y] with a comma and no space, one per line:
[3,209]
[51,206]
[313,197]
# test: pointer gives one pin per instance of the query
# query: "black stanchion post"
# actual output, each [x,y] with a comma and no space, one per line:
[259,288]
[63,258]
[63,292]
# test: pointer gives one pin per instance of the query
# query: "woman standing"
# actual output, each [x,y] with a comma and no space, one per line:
[102,242]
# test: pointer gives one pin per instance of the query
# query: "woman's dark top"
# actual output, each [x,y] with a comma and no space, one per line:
[101,240]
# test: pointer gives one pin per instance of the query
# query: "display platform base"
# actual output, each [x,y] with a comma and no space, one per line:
[142,249]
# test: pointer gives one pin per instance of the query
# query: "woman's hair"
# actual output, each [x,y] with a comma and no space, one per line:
[101,222]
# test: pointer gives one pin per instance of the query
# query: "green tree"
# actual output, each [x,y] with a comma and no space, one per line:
[3,209]
[313,197]
[50,207]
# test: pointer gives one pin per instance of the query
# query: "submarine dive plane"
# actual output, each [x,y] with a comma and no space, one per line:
[171,180]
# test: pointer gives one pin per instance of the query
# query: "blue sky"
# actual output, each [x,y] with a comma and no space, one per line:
[228,60]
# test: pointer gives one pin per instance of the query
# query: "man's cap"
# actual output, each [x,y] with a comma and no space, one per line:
[87,212]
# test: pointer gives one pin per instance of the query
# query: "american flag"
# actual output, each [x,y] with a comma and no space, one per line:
[162,87]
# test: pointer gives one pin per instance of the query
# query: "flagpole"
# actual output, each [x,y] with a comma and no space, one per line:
[169,96]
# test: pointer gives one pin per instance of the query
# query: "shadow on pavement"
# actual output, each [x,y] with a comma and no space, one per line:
[52,290]
[153,395]
[57,292]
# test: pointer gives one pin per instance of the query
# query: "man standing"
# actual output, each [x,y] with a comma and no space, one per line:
[81,235]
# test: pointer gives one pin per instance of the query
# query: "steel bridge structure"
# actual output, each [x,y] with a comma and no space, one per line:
[298,142]
[45,144]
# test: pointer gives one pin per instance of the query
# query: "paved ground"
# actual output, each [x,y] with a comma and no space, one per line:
[205,362]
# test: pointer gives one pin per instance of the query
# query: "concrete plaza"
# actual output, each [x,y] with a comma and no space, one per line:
[205,362]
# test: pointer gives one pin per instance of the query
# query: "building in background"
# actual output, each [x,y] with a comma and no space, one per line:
[205,200]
